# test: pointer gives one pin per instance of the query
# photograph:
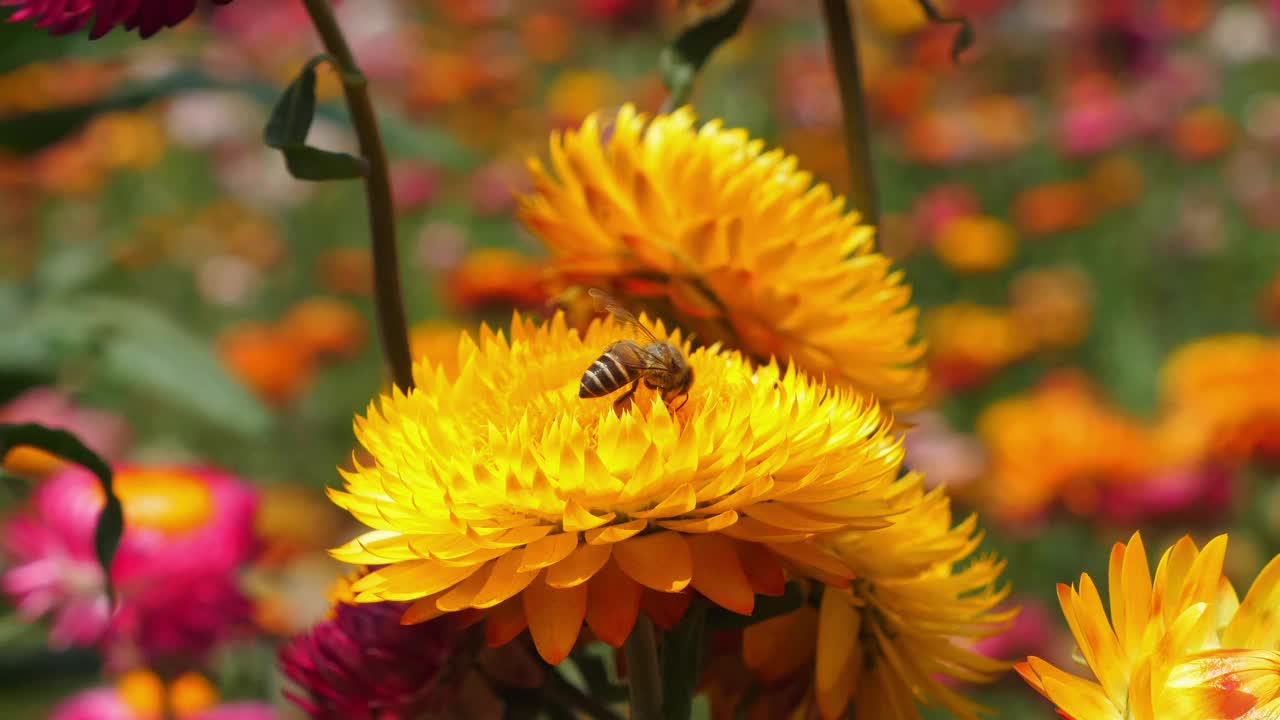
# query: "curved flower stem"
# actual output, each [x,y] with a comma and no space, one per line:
[377,183]
[842,37]
[641,650]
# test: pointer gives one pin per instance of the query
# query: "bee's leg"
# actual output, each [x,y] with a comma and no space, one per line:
[682,402]
[625,397]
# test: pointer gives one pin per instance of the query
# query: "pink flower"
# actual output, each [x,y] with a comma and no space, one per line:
[1034,632]
[940,205]
[96,704]
[68,16]
[103,432]
[414,185]
[1094,125]
[1184,493]
[180,523]
[943,455]
[107,704]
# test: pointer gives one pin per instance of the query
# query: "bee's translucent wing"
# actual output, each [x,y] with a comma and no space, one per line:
[621,313]
[634,357]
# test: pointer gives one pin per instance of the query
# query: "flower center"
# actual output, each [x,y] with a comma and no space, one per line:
[169,500]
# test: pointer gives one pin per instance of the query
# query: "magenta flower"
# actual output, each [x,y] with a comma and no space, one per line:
[179,618]
[67,16]
[363,664]
[180,524]
[1185,494]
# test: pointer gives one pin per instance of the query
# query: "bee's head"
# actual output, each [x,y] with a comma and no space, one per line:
[684,380]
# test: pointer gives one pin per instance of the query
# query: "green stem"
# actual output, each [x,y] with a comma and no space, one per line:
[842,37]
[641,650]
[382,220]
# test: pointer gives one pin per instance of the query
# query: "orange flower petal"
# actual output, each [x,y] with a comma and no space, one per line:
[718,573]
[763,570]
[505,622]
[505,580]
[555,618]
[780,646]
[838,627]
[665,608]
[582,563]
[808,555]
[614,604]
[421,611]
[462,594]
[661,561]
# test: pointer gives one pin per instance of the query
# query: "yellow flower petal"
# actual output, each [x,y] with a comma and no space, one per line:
[493,479]
[739,244]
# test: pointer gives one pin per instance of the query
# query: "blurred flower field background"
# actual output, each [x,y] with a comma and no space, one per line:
[1085,207]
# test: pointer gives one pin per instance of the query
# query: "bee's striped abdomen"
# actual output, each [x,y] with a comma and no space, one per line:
[604,376]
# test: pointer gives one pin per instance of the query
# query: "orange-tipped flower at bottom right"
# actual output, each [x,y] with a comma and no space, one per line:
[1179,646]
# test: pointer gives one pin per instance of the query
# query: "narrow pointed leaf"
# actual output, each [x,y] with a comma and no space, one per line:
[110,525]
[289,124]
[681,61]
[291,118]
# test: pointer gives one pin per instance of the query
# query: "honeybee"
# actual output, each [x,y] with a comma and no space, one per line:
[659,364]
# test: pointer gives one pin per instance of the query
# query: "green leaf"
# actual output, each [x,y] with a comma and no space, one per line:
[683,649]
[29,133]
[964,37]
[148,350]
[132,345]
[289,124]
[766,607]
[308,163]
[290,119]
[681,61]
[110,525]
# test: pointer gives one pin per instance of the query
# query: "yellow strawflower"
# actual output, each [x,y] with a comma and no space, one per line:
[705,227]
[917,596]
[1181,646]
[502,491]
